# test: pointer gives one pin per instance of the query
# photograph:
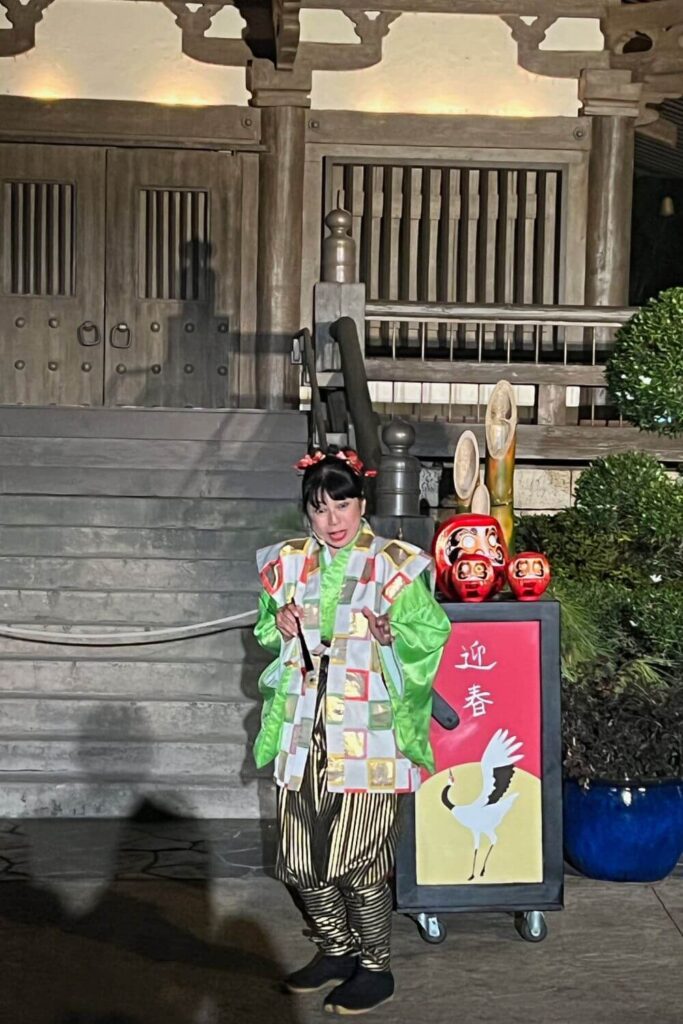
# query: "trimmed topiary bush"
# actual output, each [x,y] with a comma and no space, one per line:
[645,371]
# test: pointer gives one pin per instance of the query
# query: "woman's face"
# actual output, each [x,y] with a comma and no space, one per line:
[336,523]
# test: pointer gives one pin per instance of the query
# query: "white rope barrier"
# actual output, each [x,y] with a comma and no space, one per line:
[146,636]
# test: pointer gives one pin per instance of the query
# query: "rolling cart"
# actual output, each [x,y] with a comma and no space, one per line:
[484,833]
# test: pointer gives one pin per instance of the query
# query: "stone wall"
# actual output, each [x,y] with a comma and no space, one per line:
[538,489]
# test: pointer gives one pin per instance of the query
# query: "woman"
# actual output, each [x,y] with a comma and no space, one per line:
[347,703]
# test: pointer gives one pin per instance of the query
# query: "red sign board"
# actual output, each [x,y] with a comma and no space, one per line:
[479,817]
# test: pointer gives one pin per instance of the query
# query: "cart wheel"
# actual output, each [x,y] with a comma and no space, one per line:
[531,926]
[431,929]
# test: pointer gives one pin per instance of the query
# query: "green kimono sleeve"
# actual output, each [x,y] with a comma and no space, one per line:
[420,628]
[272,683]
[265,630]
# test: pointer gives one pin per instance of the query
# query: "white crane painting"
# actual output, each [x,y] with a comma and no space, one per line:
[484,815]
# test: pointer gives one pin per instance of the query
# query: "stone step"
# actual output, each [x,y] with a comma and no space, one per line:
[238,456]
[118,519]
[277,485]
[242,425]
[52,795]
[123,607]
[117,542]
[132,513]
[120,678]
[231,646]
[219,575]
[140,721]
[143,758]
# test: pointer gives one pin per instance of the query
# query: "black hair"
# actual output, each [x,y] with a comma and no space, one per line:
[330,476]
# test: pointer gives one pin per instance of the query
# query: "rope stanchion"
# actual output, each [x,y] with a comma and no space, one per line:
[147,636]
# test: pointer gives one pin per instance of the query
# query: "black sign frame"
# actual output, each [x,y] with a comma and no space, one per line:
[545,895]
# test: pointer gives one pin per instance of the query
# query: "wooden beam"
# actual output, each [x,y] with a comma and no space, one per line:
[350,127]
[662,131]
[128,123]
[550,444]
[562,8]
[440,371]
[441,312]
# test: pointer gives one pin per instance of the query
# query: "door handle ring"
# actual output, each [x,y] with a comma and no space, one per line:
[88,334]
[120,330]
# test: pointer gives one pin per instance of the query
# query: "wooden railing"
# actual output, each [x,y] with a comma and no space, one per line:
[554,355]
[437,363]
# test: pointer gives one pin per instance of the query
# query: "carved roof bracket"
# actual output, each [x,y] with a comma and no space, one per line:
[287,30]
[648,41]
[645,40]
[352,56]
[194,24]
[553,63]
[23,17]
[284,49]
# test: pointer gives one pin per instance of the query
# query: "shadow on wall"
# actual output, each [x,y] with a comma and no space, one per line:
[168,951]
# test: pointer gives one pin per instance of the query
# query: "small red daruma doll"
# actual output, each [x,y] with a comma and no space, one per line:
[473,577]
[528,575]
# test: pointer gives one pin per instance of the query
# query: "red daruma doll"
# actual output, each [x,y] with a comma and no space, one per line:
[469,534]
[528,575]
[473,578]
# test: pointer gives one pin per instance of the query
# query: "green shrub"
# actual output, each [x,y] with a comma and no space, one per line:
[617,563]
[645,370]
[631,734]
[626,525]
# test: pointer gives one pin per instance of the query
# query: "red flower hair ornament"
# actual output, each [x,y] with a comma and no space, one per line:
[347,455]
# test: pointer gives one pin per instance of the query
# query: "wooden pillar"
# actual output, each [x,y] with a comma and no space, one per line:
[612,102]
[284,98]
[609,211]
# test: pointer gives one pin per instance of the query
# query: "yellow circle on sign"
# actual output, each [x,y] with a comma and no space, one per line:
[445,839]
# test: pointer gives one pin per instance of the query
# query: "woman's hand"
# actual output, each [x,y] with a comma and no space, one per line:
[379,627]
[286,620]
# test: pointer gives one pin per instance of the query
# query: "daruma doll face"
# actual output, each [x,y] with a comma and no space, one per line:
[473,578]
[528,575]
[473,535]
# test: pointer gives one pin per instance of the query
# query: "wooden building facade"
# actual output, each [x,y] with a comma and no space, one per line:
[163,256]
[160,246]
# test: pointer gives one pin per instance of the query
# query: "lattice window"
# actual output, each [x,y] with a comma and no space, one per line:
[462,234]
[40,230]
[453,234]
[173,246]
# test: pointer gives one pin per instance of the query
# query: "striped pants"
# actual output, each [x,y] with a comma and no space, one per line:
[336,850]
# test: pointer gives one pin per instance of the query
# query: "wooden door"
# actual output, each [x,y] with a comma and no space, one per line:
[172,322]
[51,274]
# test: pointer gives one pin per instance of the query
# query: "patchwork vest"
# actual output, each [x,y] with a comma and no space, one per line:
[362,753]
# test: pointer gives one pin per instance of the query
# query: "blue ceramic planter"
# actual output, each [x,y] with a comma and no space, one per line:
[624,832]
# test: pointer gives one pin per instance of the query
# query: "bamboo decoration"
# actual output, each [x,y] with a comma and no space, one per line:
[501,428]
[481,500]
[465,470]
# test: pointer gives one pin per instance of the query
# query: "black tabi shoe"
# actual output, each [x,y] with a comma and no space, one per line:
[322,970]
[365,991]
